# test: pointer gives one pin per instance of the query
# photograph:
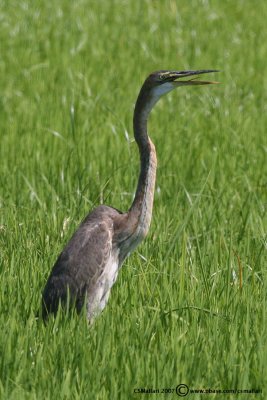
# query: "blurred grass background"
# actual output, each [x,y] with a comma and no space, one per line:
[189,305]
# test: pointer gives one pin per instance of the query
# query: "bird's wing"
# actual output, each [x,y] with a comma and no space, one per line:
[88,265]
[79,266]
[85,256]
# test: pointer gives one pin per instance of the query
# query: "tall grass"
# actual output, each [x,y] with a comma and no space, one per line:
[189,306]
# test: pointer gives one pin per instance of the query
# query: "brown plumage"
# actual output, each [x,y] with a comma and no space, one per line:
[88,266]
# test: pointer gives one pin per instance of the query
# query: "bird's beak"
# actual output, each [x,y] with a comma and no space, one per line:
[178,76]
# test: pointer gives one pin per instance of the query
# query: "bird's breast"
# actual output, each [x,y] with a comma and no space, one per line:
[98,296]
[111,271]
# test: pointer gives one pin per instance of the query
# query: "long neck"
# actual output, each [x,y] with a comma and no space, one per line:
[141,210]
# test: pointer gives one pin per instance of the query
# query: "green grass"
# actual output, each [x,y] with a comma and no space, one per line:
[189,305]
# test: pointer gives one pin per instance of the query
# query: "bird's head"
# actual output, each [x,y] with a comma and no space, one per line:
[161,82]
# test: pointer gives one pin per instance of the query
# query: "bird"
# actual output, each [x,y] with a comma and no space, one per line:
[88,266]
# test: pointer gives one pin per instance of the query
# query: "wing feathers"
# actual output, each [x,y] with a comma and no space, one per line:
[80,265]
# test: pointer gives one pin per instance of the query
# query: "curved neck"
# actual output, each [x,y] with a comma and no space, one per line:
[143,106]
[140,212]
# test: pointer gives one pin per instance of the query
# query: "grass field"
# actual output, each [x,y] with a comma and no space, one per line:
[189,306]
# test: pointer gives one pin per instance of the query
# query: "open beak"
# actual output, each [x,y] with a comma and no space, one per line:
[177,77]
